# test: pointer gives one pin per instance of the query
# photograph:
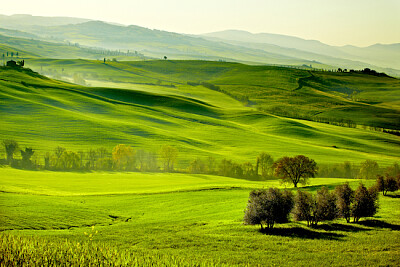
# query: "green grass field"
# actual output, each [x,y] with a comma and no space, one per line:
[54,113]
[177,219]
[196,219]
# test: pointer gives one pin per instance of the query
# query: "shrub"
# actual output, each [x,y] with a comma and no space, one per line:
[385,185]
[326,208]
[344,199]
[304,208]
[315,209]
[365,203]
[268,207]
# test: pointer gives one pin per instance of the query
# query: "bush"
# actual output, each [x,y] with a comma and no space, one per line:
[315,209]
[326,208]
[385,185]
[344,199]
[365,203]
[304,208]
[268,207]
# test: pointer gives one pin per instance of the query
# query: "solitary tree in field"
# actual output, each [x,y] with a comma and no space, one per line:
[268,207]
[10,147]
[165,57]
[295,170]
[168,155]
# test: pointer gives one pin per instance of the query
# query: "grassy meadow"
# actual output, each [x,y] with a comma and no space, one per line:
[219,109]
[186,219]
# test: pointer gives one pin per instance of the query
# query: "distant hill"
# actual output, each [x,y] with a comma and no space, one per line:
[25,21]
[386,56]
[232,45]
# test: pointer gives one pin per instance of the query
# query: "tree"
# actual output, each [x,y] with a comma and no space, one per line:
[304,208]
[326,208]
[369,169]
[315,209]
[123,157]
[58,153]
[268,207]
[393,170]
[26,157]
[197,166]
[69,160]
[295,170]
[365,203]
[165,57]
[265,163]
[10,147]
[386,184]
[168,155]
[344,199]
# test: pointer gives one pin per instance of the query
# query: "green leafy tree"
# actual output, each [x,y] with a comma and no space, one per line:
[69,160]
[265,165]
[197,166]
[386,184]
[26,157]
[369,169]
[123,157]
[10,146]
[295,169]
[365,203]
[304,208]
[326,209]
[268,207]
[169,156]
[344,200]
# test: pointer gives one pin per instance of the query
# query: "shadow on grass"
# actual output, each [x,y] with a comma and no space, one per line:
[393,196]
[380,224]
[304,233]
[340,227]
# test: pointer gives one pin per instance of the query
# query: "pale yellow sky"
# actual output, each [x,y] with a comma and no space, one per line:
[339,22]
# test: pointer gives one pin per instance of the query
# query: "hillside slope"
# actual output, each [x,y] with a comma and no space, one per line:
[44,113]
[280,91]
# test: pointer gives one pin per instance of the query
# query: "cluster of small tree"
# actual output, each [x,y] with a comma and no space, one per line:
[267,207]
[261,169]
[121,158]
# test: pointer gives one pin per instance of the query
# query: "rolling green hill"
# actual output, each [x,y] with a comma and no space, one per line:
[365,99]
[45,113]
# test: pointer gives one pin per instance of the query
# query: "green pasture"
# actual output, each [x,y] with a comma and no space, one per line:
[365,99]
[195,219]
[42,113]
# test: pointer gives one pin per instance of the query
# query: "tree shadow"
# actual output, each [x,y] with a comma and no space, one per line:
[380,224]
[304,233]
[393,196]
[340,227]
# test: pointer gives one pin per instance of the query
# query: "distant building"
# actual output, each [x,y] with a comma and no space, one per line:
[11,63]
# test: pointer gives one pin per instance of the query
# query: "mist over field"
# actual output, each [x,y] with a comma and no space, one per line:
[132,146]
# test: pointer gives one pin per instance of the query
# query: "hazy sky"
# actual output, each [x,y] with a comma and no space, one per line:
[338,22]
